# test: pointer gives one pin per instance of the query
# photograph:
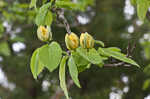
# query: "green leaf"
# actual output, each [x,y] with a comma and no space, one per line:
[91,55]
[44,1]
[35,64]
[94,56]
[17,38]
[102,53]
[114,49]
[73,71]
[86,3]
[142,7]
[79,60]
[133,2]
[146,47]
[48,18]
[1,29]
[146,84]
[42,14]
[4,49]
[33,3]
[84,67]
[81,63]
[83,52]
[100,43]
[118,55]
[147,51]
[50,55]
[69,5]
[104,58]
[62,77]
[40,68]
[147,70]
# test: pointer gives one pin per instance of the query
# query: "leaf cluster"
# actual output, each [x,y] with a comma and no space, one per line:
[51,56]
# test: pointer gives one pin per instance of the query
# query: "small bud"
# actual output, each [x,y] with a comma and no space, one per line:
[86,40]
[44,33]
[72,41]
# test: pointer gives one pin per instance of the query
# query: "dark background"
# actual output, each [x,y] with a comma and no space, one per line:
[114,22]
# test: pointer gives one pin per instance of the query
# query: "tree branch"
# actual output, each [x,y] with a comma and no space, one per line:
[117,65]
[61,17]
[129,52]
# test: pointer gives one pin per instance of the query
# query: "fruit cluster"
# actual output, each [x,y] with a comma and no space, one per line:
[71,39]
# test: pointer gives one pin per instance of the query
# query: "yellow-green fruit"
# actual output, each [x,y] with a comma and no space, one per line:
[44,33]
[72,41]
[86,40]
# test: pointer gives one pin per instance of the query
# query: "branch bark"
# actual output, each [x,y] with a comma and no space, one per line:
[61,18]
[117,65]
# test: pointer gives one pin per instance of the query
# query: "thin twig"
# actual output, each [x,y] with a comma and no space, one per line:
[134,46]
[117,65]
[129,52]
[61,17]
